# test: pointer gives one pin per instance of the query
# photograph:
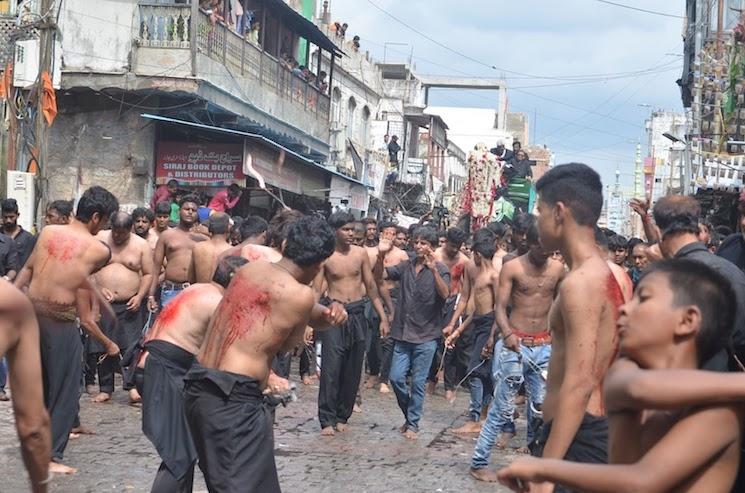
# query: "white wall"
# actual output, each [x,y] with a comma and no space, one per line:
[471,126]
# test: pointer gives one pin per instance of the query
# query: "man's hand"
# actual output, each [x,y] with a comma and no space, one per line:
[112,349]
[429,259]
[276,385]
[384,246]
[640,206]
[385,328]
[489,345]
[520,476]
[448,329]
[107,294]
[451,340]
[152,305]
[134,303]
[512,342]
[335,314]
[308,336]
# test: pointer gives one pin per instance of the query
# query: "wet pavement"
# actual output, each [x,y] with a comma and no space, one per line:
[371,457]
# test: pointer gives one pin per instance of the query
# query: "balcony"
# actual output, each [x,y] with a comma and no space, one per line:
[228,62]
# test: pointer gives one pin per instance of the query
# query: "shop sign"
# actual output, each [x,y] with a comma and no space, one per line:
[199,164]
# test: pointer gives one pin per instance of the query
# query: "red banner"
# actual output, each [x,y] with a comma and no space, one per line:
[199,164]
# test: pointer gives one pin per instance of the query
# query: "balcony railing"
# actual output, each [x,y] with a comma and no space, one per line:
[168,26]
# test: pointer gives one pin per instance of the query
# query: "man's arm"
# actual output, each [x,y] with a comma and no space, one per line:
[325,317]
[319,282]
[581,319]
[229,204]
[24,373]
[158,257]
[678,456]
[628,388]
[87,315]
[372,291]
[12,260]
[460,307]
[23,278]
[441,285]
[146,279]
[501,320]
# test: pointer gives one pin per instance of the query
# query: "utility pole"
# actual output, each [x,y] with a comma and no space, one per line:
[47,30]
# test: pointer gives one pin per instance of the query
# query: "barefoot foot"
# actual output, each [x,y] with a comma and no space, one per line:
[90,389]
[342,427]
[134,396]
[357,409]
[484,475]
[504,440]
[102,397]
[468,427]
[82,430]
[384,389]
[410,435]
[56,468]
[306,380]
[450,396]
[523,450]
[327,431]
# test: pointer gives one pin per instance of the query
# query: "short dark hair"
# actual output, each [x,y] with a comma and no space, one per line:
[359,228]
[96,200]
[633,242]
[426,233]
[163,208]
[498,228]
[63,207]
[310,240]
[218,223]
[121,220]
[190,198]
[577,186]
[516,142]
[226,268]
[143,212]
[601,239]
[279,225]
[234,187]
[339,218]
[252,226]
[676,214]
[456,236]
[484,244]
[9,206]
[172,183]
[695,283]
[370,220]
[383,225]
[522,222]
[618,242]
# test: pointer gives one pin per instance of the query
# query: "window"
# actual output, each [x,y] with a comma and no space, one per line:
[336,107]
[365,130]
[351,110]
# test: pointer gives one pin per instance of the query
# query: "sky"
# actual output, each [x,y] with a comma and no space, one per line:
[587,73]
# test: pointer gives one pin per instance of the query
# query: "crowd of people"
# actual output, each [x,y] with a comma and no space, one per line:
[620,351]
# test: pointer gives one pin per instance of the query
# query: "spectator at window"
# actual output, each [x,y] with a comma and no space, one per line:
[356,43]
[343,31]
[304,72]
[297,69]
[323,86]
[253,34]
[393,149]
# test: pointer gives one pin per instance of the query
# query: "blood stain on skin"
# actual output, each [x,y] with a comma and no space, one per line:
[170,313]
[248,306]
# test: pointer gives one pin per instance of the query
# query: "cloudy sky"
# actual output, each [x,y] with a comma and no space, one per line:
[587,73]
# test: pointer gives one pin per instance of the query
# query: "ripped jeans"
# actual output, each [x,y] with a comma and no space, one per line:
[511,369]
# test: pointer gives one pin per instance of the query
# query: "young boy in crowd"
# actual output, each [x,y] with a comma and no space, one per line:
[680,315]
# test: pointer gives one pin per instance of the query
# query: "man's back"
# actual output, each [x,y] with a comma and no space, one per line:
[584,332]
[61,261]
[263,308]
[204,258]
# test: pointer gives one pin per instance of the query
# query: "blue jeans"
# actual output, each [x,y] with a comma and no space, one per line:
[513,369]
[167,295]
[417,358]
[3,374]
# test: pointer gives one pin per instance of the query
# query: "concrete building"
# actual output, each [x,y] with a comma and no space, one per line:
[616,209]
[153,91]
[472,126]
[663,167]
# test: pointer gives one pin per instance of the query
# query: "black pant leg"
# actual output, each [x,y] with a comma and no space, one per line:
[306,353]
[281,364]
[386,350]
[165,482]
[374,351]
[106,370]
[332,354]
[351,373]
[434,367]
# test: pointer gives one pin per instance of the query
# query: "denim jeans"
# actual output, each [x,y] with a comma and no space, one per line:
[167,295]
[512,369]
[417,358]
[3,374]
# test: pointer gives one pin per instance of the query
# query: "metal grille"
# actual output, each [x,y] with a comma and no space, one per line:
[9,34]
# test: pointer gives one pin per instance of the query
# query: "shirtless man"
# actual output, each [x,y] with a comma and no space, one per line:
[162,217]
[349,279]
[58,212]
[19,341]
[500,232]
[622,277]
[63,259]
[175,246]
[583,326]
[265,310]
[480,283]
[518,234]
[528,285]
[124,281]
[390,293]
[143,226]
[358,239]
[168,352]
[371,232]
[204,255]
[659,405]
[450,254]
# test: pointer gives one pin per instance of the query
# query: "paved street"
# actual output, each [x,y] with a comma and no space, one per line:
[371,457]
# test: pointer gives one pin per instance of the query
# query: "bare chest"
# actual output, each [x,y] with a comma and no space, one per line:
[343,267]
[131,258]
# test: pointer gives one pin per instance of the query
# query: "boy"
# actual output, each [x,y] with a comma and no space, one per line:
[680,315]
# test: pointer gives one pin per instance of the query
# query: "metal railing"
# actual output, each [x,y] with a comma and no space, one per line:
[168,26]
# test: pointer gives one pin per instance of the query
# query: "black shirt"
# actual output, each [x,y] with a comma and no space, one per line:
[698,252]
[8,255]
[733,249]
[418,316]
[517,169]
[25,243]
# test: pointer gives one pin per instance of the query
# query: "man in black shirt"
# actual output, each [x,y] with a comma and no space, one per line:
[519,167]
[8,258]
[24,240]
[501,152]
[677,218]
[417,322]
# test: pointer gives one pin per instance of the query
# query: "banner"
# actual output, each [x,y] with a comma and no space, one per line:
[197,164]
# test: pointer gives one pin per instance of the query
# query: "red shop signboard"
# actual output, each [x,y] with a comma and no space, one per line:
[199,164]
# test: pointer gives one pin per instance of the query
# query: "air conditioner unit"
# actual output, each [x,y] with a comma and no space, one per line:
[26,65]
[21,187]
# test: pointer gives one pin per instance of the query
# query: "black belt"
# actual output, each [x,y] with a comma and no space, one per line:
[175,285]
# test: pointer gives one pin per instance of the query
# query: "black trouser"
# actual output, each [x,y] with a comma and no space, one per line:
[438,362]
[386,349]
[106,370]
[342,355]
[62,373]
[281,364]
[372,343]
[456,360]
[307,359]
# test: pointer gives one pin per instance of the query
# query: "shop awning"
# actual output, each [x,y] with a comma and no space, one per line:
[252,136]
[304,27]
